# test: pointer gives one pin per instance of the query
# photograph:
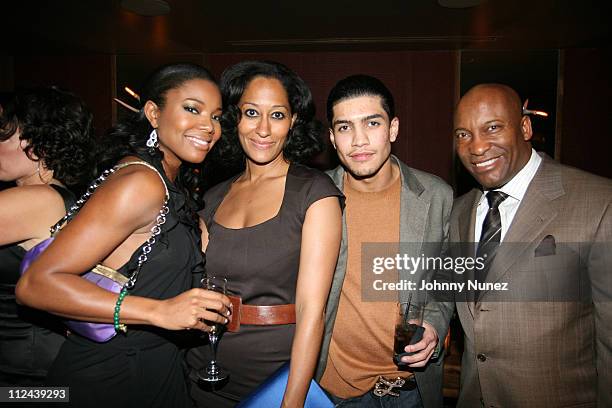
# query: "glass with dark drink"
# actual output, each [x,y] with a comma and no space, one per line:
[408,328]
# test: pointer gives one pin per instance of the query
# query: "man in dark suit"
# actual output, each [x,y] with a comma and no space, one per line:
[552,226]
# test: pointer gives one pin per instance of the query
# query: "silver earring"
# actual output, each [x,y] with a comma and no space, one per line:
[152,140]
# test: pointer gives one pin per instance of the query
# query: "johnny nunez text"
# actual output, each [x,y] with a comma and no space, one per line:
[380,285]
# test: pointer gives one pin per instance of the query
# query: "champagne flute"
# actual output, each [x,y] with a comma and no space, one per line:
[213,375]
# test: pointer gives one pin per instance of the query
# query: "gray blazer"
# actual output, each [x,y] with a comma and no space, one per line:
[533,353]
[426,202]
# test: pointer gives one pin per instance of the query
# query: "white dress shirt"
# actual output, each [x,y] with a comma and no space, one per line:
[515,189]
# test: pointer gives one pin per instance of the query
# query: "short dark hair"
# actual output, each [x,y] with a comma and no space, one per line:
[303,140]
[360,85]
[58,129]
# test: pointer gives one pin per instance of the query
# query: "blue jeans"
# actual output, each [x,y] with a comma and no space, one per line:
[406,399]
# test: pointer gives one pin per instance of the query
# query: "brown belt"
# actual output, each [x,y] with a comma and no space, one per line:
[259,315]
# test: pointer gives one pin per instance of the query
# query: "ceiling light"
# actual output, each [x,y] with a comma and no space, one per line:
[132,93]
[535,112]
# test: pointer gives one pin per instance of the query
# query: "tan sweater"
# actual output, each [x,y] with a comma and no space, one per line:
[361,346]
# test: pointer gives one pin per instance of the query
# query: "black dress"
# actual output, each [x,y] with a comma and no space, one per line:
[261,263]
[144,367]
[29,338]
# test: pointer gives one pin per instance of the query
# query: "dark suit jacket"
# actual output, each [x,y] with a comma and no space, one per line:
[425,207]
[537,353]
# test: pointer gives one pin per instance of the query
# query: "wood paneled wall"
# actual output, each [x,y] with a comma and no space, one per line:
[422,82]
[586,107]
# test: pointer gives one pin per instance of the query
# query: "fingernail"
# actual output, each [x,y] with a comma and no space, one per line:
[226,320]
[228,312]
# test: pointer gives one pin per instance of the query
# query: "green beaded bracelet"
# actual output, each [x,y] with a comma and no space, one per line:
[118,326]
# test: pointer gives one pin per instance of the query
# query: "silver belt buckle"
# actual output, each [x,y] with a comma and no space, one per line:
[385,386]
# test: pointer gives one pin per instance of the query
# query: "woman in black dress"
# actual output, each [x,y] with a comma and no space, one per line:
[46,139]
[274,232]
[143,367]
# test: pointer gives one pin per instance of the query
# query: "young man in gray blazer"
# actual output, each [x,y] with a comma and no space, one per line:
[547,340]
[386,201]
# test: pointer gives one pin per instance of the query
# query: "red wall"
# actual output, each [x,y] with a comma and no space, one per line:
[423,85]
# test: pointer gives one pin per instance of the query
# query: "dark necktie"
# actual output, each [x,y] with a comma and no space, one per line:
[490,236]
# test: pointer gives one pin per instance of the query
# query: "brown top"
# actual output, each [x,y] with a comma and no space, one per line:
[261,263]
[361,346]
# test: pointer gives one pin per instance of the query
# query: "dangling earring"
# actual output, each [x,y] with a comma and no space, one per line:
[152,143]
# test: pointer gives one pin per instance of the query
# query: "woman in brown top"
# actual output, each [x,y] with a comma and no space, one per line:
[273,231]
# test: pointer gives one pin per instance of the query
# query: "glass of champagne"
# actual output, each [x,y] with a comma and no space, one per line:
[408,328]
[213,375]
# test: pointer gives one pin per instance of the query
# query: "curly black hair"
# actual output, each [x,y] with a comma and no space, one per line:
[128,137]
[303,140]
[58,129]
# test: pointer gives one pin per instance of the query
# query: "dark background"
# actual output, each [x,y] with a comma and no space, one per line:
[556,53]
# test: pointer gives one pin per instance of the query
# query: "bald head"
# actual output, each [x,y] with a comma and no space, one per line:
[498,93]
[492,135]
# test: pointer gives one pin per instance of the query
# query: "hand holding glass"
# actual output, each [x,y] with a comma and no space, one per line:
[408,328]
[212,374]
